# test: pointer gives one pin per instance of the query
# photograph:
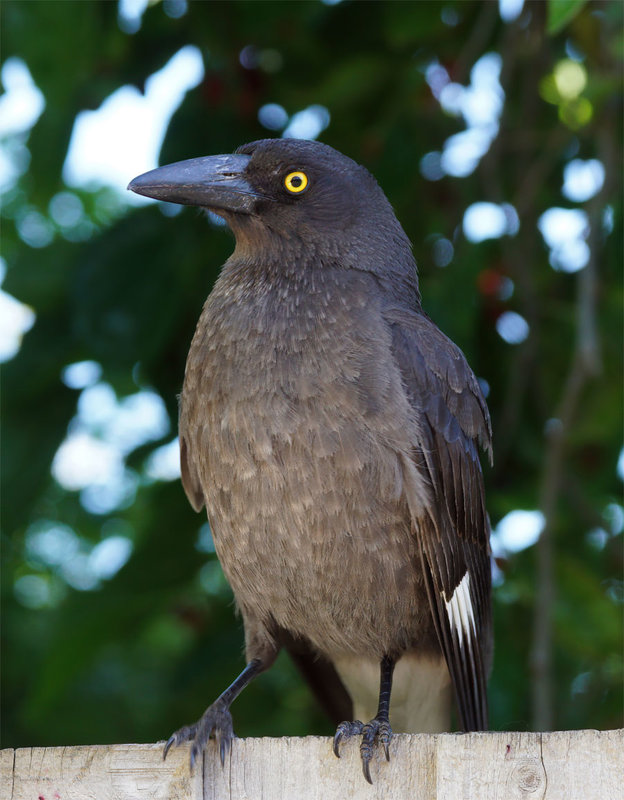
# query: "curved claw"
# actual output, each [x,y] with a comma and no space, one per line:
[185,734]
[344,731]
[337,739]
[167,746]
[366,771]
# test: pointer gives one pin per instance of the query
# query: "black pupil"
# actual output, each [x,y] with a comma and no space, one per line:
[296,182]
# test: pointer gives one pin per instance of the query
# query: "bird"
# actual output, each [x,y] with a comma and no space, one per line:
[332,433]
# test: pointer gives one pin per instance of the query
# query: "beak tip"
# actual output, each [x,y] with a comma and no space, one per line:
[135,185]
[144,188]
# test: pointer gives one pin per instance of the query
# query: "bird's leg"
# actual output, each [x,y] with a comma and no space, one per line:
[378,729]
[216,719]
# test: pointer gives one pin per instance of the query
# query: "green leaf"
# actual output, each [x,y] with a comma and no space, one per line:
[561,12]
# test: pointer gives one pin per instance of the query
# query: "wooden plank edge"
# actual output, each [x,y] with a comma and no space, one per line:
[561,765]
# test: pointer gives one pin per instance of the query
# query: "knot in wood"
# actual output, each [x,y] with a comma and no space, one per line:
[529,777]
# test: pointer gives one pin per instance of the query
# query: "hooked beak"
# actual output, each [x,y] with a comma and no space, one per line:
[215,182]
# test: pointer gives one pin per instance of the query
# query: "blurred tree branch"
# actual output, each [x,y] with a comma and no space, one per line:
[586,364]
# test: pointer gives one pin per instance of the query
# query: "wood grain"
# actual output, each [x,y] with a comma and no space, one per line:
[564,765]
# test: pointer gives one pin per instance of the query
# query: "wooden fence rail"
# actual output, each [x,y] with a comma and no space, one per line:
[564,765]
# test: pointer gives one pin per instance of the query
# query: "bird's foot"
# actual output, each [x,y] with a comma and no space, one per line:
[216,721]
[377,730]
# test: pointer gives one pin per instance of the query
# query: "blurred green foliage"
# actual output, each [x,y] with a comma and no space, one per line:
[139,654]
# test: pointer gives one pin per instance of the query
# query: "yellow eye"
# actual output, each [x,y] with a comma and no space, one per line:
[296,182]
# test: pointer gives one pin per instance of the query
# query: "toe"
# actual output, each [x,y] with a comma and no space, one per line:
[195,754]
[385,735]
[224,743]
[344,731]
[185,734]
[366,750]
[366,747]
[374,732]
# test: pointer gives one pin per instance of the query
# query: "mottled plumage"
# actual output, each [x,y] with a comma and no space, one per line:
[331,431]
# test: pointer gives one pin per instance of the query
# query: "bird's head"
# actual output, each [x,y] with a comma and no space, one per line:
[277,194]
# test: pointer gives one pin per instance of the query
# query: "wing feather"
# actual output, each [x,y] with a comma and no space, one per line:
[453,531]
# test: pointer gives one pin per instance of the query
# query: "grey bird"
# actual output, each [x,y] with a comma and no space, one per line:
[331,430]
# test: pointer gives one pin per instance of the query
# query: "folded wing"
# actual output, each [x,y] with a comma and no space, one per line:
[453,529]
